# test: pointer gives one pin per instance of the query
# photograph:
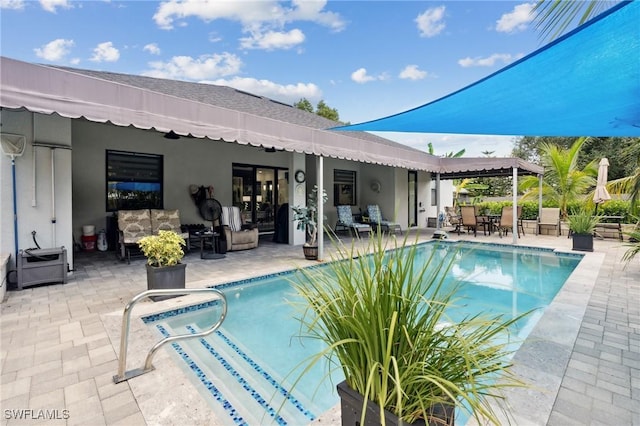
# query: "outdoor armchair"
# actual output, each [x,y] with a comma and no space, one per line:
[549,216]
[239,235]
[345,222]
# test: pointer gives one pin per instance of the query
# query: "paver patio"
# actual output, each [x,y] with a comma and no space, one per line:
[60,344]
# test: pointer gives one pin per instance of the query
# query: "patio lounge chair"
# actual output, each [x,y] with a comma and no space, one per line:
[470,220]
[549,216]
[376,220]
[345,222]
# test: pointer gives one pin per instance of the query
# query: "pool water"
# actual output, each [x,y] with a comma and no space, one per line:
[247,369]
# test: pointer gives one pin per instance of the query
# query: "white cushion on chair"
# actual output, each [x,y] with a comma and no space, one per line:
[231,218]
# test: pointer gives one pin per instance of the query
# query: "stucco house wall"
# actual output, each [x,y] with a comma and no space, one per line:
[79,178]
[43,183]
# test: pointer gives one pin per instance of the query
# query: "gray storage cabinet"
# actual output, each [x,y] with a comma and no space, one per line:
[39,266]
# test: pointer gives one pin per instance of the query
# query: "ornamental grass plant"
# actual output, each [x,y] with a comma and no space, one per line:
[163,249]
[384,320]
[583,222]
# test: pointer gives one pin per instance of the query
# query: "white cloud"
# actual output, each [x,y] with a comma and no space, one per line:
[430,22]
[55,50]
[105,52]
[411,72]
[152,48]
[264,21]
[214,37]
[517,20]
[53,5]
[12,4]
[489,61]
[288,93]
[360,76]
[273,40]
[205,67]
[248,13]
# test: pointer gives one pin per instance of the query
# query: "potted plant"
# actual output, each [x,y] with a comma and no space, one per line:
[307,218]
[384,321]
[164,253]
[582,225]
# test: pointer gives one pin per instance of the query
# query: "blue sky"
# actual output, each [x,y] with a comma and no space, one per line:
[367,59]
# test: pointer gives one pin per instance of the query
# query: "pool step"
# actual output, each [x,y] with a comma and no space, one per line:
[225,371]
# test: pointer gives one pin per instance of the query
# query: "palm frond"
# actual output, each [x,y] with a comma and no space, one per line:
[554,17]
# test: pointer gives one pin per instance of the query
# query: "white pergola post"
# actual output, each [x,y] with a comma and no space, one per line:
[437,201]
[320,203]
[539,195]
[515,205]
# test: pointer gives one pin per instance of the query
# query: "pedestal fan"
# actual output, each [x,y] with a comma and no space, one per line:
[13,146]
[211,210]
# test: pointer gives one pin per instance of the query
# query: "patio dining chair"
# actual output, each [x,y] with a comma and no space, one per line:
[506,221]
[345,222]
[470,220]
[377,221]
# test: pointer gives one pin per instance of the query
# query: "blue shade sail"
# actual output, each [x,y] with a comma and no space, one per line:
[586,83]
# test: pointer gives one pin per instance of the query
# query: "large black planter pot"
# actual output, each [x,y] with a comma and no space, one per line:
[351,406]
[310,252]
[166,277]
[582,242]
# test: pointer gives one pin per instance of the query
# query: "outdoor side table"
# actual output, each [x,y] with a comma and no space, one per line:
[209,237]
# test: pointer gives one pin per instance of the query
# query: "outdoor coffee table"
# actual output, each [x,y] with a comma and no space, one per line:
[209,237]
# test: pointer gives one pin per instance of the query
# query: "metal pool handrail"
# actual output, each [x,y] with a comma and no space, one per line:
[126,317]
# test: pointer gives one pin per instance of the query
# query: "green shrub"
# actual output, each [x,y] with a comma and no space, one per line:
[164,249]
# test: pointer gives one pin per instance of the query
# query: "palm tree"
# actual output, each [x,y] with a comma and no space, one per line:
[629,184]
[450,154]
[563,181]
[553,17]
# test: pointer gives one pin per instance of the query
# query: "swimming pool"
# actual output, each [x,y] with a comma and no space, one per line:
[245,369]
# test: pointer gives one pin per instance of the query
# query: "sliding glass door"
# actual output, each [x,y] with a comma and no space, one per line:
[413,198]
[259,191]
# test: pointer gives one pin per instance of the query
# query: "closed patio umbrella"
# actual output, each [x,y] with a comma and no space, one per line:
[601,194]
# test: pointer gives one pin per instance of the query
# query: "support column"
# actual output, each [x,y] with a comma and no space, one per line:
[539,195]
[515,205]
[320,202]
[437,201]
